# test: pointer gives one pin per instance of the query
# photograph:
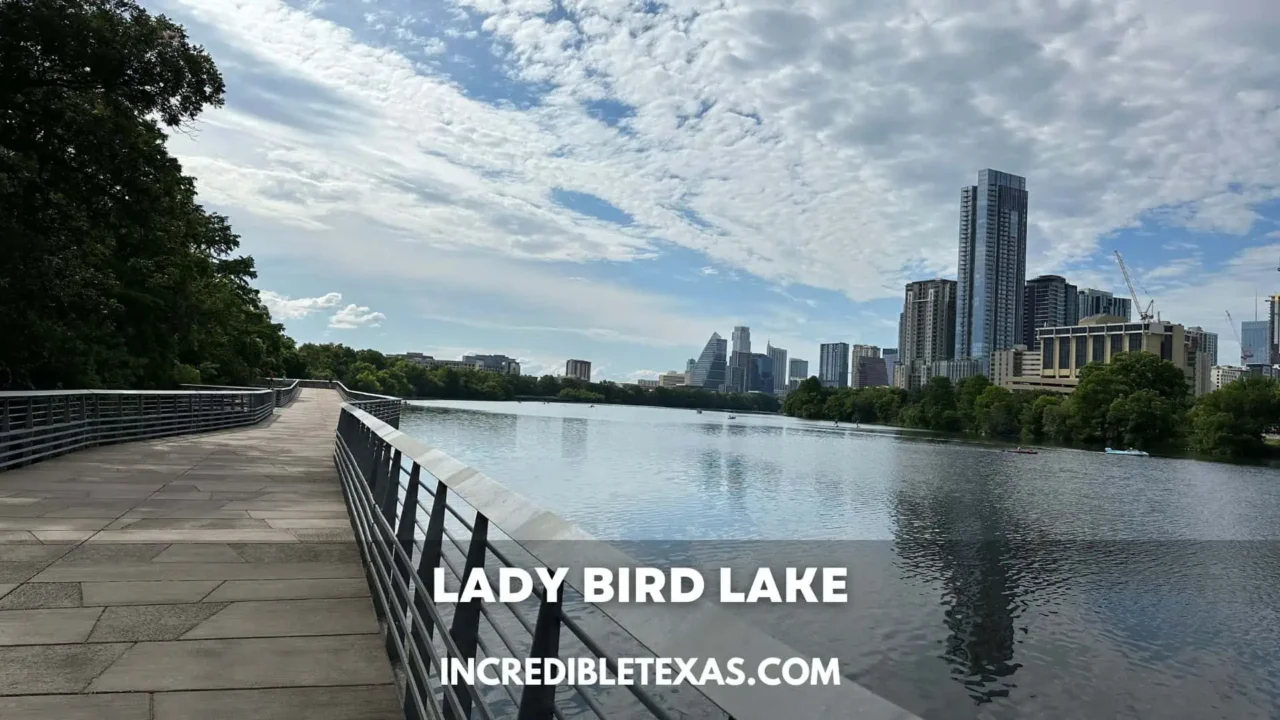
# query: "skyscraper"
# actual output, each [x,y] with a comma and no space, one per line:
[742,339]
[1047,301]
[1208,342]
[993,264]
[799,369]
[709,370]
[760,374]
[1101,302]
[865,351]
[833,365]
[926,330]
[779,358]
[890,356]
[736,377]
[868,371]
[1273,328]
[580,369]
[1254,344]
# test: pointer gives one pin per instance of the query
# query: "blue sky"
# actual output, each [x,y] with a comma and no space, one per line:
[616,180]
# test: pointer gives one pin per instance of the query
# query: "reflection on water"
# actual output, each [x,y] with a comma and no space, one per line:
[984,585]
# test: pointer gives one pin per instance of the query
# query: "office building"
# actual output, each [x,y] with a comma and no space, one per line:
[864,351]
[1225,375]
[674,378]
[1009,367]
[742,339]
[1100,302]
[868,371]
[688,370]
[955,369]
[1047,301]
[779,358]
[799,369]
[1255,347]
[992,264]
[833,365]
[739,360]
[1273,328]
[580,369]
[494,363]
[1208,342]
[709,370]
[926,330]
[760,374]
[1064,351]
[890,356]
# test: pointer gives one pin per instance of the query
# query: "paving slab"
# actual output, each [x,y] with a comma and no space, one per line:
[40,523]
[17,537]
[134,623]
[5,588]
[62,537]
[111,554]
[146,593]
[240,523]
[211,553]
[33,596]
[324,536]
[314,552]
[47,627]
[36,669]
[118,706]
[329,660]
[309,523]
[196,535]
[19,572]
[240,590]
[288,618]
[378,702]
[134,571]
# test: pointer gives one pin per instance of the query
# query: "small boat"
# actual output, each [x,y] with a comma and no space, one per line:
[699,412]
[733,417]
[593,406]
[1136,453]
[1022,451]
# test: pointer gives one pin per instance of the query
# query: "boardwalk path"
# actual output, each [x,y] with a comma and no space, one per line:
[199,578]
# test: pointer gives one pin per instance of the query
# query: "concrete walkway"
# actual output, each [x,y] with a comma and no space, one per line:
[199,578]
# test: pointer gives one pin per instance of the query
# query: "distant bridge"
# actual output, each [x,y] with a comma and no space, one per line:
[263,552]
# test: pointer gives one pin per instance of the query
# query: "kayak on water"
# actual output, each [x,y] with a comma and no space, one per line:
[1136,453]
[1020,451]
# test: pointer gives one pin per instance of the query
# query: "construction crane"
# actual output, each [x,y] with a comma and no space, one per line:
[1245,354]
[1133,293]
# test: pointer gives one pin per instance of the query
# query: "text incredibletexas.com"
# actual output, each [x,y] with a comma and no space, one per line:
[638,671]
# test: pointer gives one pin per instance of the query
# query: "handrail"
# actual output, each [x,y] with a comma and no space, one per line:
[284,394]
[38,425]
[391,480]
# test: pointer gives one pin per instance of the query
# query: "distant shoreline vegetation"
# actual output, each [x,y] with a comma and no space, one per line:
[371,371]
[1137,401]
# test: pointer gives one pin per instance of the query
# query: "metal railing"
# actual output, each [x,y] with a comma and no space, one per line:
[392,481]
[39,425]
[286,391]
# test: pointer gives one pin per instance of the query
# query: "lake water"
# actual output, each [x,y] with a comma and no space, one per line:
[1066,584]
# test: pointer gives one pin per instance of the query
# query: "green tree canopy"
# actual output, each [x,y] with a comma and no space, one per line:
[113,275]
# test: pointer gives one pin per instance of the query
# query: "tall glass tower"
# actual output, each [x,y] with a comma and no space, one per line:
[993,264]
[709,369]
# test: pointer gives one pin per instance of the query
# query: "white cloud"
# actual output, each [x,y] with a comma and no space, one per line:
[833,144]
[356,316]
[285,308]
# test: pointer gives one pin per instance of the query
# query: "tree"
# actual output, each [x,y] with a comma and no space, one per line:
[1142,419]
[113,275]
[995,413]
[1230,421]
[967,393]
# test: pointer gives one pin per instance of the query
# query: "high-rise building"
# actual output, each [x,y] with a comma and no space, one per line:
[1207,342]
[1273,328]
[709,370]
[760,374]
[736,376]
[742,339]
[865,351]
[993,264]
[868,371]
[926,330]
[1047,301]
[890,356]
[799,369]
[1255,347]
[688,370]
[833,364]
[580,369]
[779,358]
[1100,302]
[673,378]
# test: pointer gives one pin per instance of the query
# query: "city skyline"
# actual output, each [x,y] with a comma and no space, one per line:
[424,178]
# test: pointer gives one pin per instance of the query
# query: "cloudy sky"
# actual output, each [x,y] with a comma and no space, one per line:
[615,179]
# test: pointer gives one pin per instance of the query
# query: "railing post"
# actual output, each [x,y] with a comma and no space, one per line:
[432,544]
[537,702]
[427,563]
[465,629]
